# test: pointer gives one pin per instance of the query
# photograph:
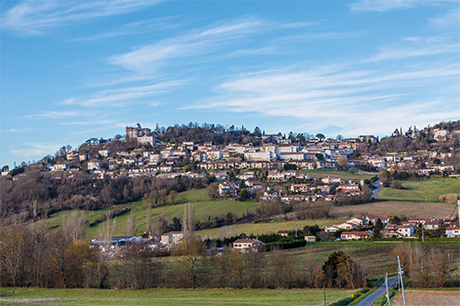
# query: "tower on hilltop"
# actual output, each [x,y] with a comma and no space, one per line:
[142,135]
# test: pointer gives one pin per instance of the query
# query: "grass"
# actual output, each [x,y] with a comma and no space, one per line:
[418,191]
[204,207]
[319,173]
[264,228]
[181,296]
[399,208]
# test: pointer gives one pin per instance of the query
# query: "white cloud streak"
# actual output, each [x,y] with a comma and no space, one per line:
[35,149]
[205,41]
[124,96]
[34,17]
[450,18]
[387,5]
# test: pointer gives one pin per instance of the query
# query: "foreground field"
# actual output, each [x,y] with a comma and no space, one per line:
[421,191]
[428,298]
[398,208]
[177,296]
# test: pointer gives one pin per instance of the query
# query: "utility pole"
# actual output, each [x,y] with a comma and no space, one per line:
[386,286]
[400,272]
[324,289]
[458,211]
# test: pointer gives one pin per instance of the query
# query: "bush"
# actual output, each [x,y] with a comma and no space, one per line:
[396,185]
[449,198]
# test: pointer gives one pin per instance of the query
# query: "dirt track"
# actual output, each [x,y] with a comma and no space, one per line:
[429,298]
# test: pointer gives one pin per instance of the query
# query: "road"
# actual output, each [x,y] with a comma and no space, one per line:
[378,187]
[374,296]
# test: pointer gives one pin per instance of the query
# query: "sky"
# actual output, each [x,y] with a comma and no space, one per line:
[73,70]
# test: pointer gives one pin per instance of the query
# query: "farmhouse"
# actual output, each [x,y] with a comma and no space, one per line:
[248,245]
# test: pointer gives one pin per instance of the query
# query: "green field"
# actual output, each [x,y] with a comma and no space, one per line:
[260,297]
[421,191]
[264,228]
[203,205]
[319,173]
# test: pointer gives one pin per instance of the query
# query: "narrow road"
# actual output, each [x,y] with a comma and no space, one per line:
[374,296]
[378,188]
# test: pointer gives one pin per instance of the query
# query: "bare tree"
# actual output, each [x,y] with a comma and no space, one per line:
[131,227]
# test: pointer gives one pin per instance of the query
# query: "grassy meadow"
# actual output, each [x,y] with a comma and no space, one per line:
[262,297]
[203,204]
[420,191]
[264,228]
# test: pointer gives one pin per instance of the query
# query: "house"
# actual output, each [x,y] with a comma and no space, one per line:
[331,229]
[248,245]
[355,235]
[228,189]
[112,243]
[368,220]
[310,238]
[283,233]
[172,238]
[299,188]
[59,167]
[254,185]
[452,231]
[94,164]
[399,231]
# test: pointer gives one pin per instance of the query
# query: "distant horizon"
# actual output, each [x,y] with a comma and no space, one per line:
[79,69]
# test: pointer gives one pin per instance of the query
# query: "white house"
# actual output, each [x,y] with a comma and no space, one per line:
[171,238]
[247,245]
[452,231]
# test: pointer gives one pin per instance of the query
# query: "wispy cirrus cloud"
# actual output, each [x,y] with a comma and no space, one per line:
[35,149]
[124,96]
[34,17]
[450,18]
[416,47]
[332,94]
[199,42]
[56,115]
[134,28]
[387,5]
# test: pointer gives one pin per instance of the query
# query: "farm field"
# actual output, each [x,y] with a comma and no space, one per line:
[229,297]
[319,173]
[374,256]
[264,228]
[417,190]
[398,208]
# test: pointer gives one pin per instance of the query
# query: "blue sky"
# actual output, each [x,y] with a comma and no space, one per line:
[74,70]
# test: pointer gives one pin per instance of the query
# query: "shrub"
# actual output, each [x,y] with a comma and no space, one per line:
[396,185]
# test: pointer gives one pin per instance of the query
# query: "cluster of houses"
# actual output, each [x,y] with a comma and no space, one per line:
[349,231]
[295,185]
[167,241]
[404,230]
[275,151]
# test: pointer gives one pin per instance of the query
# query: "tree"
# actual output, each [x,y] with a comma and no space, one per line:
[244,195]
[188,253]
[320,136]
[378,228]
[188,227]
[131,227]
[173,196]
[341,271]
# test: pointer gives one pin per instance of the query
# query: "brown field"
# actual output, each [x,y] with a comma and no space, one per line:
[428,298]
[409,209]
